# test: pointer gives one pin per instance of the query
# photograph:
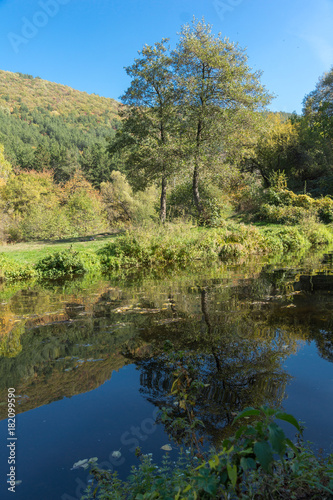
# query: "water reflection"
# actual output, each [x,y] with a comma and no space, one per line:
[237,325]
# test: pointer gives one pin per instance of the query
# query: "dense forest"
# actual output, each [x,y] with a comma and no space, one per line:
[192,140]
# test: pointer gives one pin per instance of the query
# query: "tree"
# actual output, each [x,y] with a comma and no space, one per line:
[64,163]
[317,125]
[5,166]
[95,164]
[318,104]
[42,158]
[217,95]
[148,132]
[278,149]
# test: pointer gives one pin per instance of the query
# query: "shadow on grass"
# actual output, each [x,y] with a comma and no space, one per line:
[80,239]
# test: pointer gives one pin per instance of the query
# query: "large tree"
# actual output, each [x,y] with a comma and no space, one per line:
[318,104]
[147,136]
[217,95]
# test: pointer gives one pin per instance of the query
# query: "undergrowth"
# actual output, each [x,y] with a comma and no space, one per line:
[178,245]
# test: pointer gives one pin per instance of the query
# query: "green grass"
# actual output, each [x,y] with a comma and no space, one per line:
[31,253]
[157,246]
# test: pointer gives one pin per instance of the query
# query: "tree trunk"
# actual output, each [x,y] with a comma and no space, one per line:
[204,309]
[195,187]
[163,200]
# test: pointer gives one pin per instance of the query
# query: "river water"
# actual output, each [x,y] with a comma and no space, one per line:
[86,359]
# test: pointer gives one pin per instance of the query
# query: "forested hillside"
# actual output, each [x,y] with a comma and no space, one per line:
[45,125]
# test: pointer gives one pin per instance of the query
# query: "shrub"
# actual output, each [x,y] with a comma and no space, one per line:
[13,270]
[317,234]
[282,214]
[231,250]
[27,189]
[125,250]
[83,207]
[290,238]
[216,205]
[325,209]
[67,263]
[40,224]
[123,206]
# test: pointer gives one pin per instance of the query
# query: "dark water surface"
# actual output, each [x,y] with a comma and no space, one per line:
[87,364]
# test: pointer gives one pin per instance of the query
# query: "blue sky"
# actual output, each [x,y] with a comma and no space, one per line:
[86,43]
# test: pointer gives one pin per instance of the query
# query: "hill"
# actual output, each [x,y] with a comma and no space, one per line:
[18,88]
[42,122]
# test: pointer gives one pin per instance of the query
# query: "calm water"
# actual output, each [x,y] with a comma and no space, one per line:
[86,360]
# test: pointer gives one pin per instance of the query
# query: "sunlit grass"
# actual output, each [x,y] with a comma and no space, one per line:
[30,253]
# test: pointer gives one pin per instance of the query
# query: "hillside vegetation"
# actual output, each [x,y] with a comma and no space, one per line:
[17,88]
[45,125]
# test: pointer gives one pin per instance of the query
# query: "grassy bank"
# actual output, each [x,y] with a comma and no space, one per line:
[158,246]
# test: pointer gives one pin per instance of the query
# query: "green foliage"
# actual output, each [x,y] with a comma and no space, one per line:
[83,207]
[148,138]
[290,238]
[257,462]
[5,166]
[181,244]
[282,206]
[123,206]
[46,125]
[282,214]
[325,209]
[216,204]
[67,263]
[217,96]
[95,164]
[37,208]
[11,270]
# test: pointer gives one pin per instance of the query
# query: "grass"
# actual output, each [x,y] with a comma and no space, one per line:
[158,246]
[30,253]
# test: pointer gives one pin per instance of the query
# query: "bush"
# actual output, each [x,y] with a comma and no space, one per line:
[216,205]
[36,208]
[325,209]
[123,206]
[289,237]
[11,270]
[125,250]
[282,214]
[67,263]
[83,207]
[40,224]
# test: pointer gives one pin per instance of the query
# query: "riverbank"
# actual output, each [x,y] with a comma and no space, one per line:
[158,246]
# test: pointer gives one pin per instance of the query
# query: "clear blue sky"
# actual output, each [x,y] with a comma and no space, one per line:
[86,43]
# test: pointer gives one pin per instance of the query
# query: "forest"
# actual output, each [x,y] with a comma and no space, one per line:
[192,143]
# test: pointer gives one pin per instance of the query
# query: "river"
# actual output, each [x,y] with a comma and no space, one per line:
[86,359]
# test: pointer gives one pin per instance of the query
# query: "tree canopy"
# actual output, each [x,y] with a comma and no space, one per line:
[190,110]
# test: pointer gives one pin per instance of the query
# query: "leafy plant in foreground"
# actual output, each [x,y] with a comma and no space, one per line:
[257,462]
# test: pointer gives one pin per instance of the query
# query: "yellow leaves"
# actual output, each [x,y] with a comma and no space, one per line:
[182,404]
[214,462]
[5,166]
[166,447]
